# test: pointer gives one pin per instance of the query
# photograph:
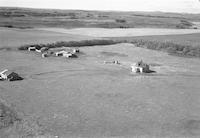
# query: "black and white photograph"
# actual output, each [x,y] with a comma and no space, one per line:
[99,69]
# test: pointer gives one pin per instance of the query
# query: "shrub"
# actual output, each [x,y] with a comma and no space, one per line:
[170,47]
[71,44]
[120,20]
[9,26]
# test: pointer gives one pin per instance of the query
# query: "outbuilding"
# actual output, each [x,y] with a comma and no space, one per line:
[61,53]
[76,50]
[140,67]
[32,48]
[69,55]
[44,55]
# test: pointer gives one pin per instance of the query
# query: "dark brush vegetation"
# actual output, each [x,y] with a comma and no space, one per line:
[15,124]
[120,20]
[7,115]
[184,24]
[167,46]
[71,44]
[170,47]
[20,27]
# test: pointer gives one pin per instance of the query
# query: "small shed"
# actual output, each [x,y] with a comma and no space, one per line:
[76,50]
[69,55]
[38,50]
[32,48]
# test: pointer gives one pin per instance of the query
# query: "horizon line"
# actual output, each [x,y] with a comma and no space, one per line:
[97,10]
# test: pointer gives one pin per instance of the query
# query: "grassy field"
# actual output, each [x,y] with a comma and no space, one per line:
[28,18]
[84,97]
[118,32]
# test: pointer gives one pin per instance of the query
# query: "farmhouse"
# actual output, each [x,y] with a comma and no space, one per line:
[44,55]
[140,67]
[65,54]
[61,53]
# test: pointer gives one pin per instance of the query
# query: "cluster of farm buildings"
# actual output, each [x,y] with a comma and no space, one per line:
[139,67]
[46,52]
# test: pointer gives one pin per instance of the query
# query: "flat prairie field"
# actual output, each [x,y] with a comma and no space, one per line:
[127,32]
[18,37]
[84,97]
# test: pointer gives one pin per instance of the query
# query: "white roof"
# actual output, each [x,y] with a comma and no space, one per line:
[62,52]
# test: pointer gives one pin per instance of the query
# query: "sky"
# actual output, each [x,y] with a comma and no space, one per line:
[186,6]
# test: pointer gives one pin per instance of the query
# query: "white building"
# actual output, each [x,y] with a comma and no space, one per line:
[31,48]
[69,55]
[76,51]
[3,75]
[140,67]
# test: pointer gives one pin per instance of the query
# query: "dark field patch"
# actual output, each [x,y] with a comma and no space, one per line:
[5,48]
[155,64]
[7,115]
[112,54]
[190,126]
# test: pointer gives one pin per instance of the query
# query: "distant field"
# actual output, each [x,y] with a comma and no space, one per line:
[17,37]
[182,44]
[28,18]
[116,32]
